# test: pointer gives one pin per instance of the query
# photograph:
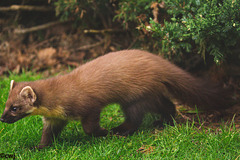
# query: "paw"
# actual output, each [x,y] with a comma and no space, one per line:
[100,133]
[122,132]
[162,124]
[158,124]
[39,147]
[115,130]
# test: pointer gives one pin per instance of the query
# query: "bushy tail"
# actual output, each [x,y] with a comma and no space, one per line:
[196,92]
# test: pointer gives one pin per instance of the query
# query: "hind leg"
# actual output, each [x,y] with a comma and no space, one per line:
[90,124]
[166,109]
[134,114]
[133,118]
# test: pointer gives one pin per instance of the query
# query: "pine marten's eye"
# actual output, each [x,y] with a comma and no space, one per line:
[13,108]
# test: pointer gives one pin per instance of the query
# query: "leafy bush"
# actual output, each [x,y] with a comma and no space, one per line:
[210,26]
[206,27]
[133,11]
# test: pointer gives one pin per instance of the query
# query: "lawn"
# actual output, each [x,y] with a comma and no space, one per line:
[182,141]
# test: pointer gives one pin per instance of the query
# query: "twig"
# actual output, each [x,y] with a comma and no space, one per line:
[200,127]
[102,31]
[26,8]
[18,12]
[237,157]
[133,42]
[36,28]
[185,117]
[86,47]
[43,42]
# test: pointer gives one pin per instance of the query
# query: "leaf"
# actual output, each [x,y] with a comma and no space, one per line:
[146,149]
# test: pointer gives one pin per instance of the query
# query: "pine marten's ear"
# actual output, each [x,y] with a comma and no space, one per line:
[28,94]
[12,84]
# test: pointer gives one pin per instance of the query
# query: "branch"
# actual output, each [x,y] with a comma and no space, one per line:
[36,28]
[102,31]
[26,8]
[184,116]
[86,47]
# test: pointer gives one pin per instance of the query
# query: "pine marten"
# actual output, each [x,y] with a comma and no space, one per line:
[138,81]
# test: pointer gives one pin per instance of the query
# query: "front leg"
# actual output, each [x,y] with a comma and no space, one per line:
[51,129]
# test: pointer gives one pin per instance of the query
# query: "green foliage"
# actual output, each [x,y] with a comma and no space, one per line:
[174,39]
[210,27]
[132,10]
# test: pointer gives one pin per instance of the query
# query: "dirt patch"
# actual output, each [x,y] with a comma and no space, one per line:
[213,120]
[56,51]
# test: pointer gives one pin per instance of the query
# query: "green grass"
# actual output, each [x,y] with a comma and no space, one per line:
[182,141]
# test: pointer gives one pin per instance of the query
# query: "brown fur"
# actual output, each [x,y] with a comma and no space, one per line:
[137,80]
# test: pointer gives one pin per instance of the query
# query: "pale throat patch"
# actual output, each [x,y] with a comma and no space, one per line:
[56,112]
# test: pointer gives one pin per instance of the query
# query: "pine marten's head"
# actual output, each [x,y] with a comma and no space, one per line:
[20,103]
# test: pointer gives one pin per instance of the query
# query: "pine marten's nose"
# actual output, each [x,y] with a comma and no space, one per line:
[2,120]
